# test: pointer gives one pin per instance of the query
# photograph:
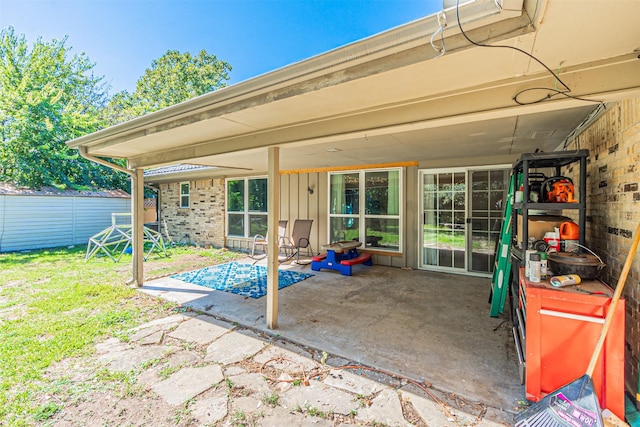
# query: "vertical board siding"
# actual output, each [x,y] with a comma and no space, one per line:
[34,222]
[294,199]
[285,213]
[315,212]
[411,228]
[323,207]
[297,203]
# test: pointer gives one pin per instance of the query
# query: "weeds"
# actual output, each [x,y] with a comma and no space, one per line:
[363,400]
[183,413]
[46,411]
[150,363]
[167,371]
[315,412]
[188,345]
[271,399]
[55,306]
[124,383]
[238,418]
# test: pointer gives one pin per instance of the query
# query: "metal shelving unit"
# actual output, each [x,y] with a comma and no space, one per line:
[521,171]
[556,160]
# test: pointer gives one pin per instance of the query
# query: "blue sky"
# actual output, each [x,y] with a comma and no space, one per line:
[255,36]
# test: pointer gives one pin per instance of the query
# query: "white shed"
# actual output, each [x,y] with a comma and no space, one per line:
[34,219]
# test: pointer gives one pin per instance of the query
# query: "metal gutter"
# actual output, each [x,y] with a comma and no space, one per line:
[388,43]
[137,208]
[83,153]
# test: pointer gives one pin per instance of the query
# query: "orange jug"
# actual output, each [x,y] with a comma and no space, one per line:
[569,231]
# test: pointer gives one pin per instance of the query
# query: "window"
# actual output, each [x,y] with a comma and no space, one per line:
[246,207]
[365,206]
[184,195]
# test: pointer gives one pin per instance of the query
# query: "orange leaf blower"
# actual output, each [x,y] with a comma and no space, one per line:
[558,189]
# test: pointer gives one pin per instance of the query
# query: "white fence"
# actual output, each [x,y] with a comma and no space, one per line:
[39,221]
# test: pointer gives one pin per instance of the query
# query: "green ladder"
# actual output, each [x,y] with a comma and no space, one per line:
[502,267]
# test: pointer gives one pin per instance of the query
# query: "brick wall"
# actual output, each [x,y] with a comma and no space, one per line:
[204,220]
[613,208]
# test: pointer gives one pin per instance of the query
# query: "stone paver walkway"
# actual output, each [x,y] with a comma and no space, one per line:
[221,373]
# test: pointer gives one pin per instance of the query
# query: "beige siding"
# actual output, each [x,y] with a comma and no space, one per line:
[297,203]
[412,241]
[204,221]
[33,222]
[301,204]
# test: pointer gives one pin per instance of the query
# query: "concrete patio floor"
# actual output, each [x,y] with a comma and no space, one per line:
[427,326]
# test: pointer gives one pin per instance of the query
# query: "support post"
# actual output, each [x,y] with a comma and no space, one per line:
[137,224]
[273,207]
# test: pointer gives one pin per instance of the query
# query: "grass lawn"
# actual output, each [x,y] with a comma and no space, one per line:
[54,306]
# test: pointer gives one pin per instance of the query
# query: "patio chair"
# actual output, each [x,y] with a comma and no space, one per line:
[299,240]
[261,241]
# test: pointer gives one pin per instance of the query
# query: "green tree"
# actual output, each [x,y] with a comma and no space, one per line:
[47,97]
[171,79]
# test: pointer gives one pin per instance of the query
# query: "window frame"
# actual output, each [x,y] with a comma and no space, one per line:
[362,216]
[246,212]
[181,205]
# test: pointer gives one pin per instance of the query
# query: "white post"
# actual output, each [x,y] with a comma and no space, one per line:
[137,224]
[273,204]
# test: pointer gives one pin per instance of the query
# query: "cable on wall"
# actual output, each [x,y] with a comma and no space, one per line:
[552,92]
[442,22]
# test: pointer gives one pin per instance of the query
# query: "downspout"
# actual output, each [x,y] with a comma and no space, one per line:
[137,211]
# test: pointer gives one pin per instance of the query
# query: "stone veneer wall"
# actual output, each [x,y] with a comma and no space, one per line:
[204,221]
[613,208]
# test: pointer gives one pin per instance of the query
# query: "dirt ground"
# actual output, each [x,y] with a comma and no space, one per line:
[86,393]
[92,395]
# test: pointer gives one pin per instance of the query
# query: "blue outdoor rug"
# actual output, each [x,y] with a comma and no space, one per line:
[242,279]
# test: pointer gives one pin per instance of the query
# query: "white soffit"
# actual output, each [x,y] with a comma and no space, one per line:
[311,75]
[405,105]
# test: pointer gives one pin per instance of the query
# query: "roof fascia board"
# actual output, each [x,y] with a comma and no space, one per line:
[359,51]
[490,102]
[511,28]
[398,39]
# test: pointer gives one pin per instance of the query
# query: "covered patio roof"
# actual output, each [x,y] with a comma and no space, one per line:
[392,96]
[425,92]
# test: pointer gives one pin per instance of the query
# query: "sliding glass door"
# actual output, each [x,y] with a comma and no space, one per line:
[443,216]
[488,188]
[461,213]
